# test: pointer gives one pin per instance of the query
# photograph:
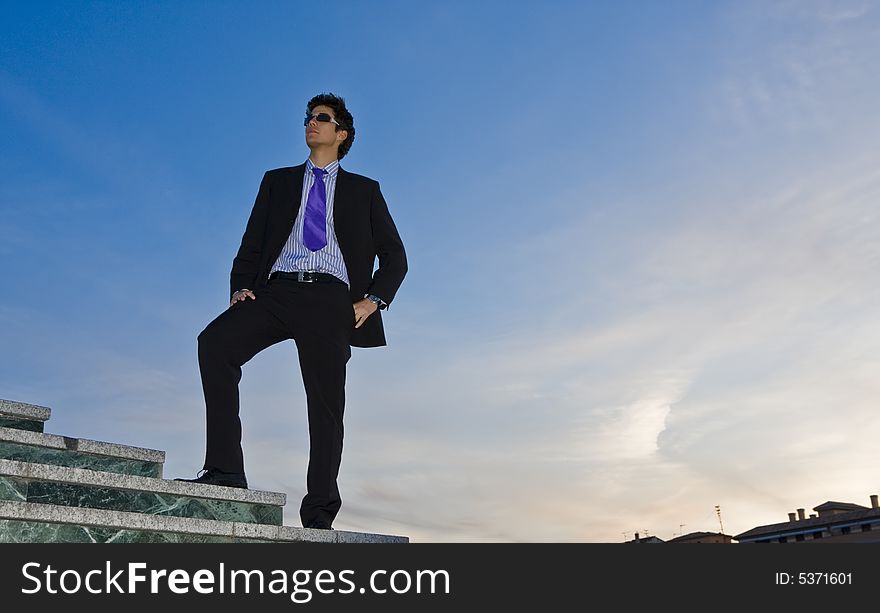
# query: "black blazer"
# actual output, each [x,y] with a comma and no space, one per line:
[364,229]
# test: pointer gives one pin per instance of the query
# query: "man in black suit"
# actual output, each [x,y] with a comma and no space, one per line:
[304,271]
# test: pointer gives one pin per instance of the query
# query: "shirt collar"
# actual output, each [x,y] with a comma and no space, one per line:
[332,168]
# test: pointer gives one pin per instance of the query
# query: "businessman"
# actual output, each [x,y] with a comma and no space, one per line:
[304,271]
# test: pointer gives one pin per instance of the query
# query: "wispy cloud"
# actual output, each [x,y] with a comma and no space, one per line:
[810,77]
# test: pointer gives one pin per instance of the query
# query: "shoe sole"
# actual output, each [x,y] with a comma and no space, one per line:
[221,484]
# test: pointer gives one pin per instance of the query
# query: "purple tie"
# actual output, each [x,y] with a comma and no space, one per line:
[315,224]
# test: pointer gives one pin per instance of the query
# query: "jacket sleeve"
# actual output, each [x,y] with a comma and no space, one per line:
[245,265]
[388,248]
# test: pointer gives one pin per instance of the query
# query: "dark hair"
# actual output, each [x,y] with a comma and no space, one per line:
[342,116]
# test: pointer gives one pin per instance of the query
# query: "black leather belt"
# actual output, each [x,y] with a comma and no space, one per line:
[306,276]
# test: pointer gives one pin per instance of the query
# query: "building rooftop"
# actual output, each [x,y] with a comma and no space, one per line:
[690,536]
[829,512]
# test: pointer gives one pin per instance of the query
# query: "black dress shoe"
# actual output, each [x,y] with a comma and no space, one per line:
[213,476]
[318,525]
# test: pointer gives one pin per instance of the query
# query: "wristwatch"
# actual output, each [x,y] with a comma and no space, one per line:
[375,299]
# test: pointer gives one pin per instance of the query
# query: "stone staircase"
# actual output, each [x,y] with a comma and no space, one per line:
[59,489]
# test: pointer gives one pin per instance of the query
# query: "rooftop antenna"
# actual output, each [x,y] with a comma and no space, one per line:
[718,513]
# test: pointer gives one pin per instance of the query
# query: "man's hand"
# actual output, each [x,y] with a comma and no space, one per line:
[362,309]
[242,294]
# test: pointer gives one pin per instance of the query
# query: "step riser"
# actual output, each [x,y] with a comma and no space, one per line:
[78,459]
[18,423]
[23,410]
[154,503]
[16,531]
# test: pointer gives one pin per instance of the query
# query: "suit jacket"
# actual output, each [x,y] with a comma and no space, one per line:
[364,230]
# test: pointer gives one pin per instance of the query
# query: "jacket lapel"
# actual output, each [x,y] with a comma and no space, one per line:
[340,201]
[286,202]
[293,195]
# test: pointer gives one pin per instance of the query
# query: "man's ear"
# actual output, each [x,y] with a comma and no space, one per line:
[342,140]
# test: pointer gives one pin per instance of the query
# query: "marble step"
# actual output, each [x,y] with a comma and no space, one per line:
[78,487]
[26,522]
[41,448]
[23,416]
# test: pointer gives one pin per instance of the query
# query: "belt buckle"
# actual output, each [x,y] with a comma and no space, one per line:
[305,275]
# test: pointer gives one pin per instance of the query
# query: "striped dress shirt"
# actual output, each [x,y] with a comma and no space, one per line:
[295,256]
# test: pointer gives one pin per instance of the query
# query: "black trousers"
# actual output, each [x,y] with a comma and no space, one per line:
[319,317]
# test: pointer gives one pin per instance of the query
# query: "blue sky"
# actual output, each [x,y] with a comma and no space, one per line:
[642,237]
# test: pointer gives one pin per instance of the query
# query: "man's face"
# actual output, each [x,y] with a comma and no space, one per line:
[324,132]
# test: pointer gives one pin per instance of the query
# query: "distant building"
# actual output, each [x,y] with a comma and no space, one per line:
[644,539]
[702,537]
[834,522]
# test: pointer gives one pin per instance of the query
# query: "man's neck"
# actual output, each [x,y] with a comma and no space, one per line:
[322,158]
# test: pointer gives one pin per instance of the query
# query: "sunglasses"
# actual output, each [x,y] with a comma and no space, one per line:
[322,117]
